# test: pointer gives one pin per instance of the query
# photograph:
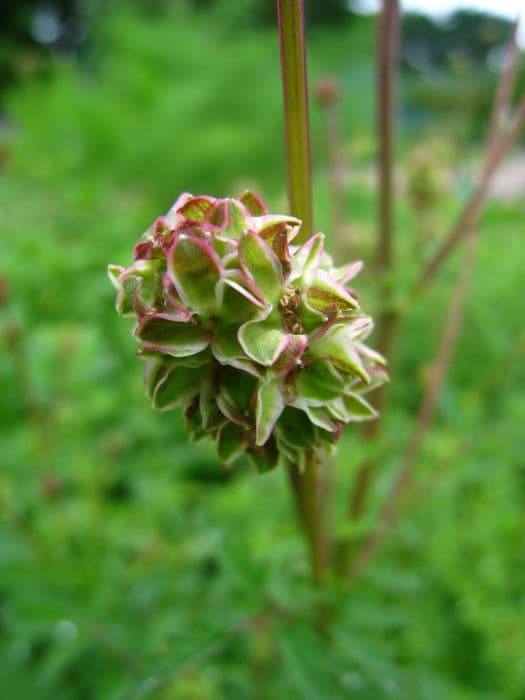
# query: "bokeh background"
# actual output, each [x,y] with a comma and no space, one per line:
[131,564]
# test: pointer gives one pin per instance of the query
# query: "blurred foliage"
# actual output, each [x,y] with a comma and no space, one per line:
[132,565]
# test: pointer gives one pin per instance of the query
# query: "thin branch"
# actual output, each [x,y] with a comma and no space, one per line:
[505,87]
[387,54]
[297,129]
[390,511]
[497,147]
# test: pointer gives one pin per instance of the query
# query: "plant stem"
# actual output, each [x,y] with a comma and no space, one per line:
[305,485]
[297,129]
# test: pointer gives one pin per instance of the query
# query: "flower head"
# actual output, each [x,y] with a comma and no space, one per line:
[259,340]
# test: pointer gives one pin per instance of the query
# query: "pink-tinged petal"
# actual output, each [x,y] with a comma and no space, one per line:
[114,272]
[306,261]
[255,205]
[195,269]
[347,272]
[196,208]
[338,345]
[269,405]
[143,250]
[230,218]
[290,357]
[162,332]
[325,295]
[177,310]
[173,217]
[262,265]
[266,225]
[243,285]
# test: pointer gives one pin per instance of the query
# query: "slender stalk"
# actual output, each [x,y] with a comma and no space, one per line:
[390,511]
[296,120]
[387,47]
[305,485]
[470,211]
[496,147]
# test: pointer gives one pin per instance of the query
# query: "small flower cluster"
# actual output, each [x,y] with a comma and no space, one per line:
[258,339]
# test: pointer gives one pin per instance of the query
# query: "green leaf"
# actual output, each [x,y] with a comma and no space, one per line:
[358,408]
[266,458]
[230,443]
[195,269]
[262,341]
[325,294]
[318,415]
[261,263]
[319,382]
[179,385]
[306,261]
[172,337]
[295,429]
[268,407]
[338,345]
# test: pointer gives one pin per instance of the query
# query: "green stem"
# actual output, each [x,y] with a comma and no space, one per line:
[297,128]
[305,485]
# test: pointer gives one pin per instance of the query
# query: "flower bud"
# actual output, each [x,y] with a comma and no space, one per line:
[258,339]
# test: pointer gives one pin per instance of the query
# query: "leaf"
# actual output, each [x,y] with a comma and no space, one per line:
[262,341]
[338,345]
[295,429]
[178,386]
[266,458]
[261,263]
[195,269]
[161,332]
[319,382]
[230,443]
[268,407]
[358,409]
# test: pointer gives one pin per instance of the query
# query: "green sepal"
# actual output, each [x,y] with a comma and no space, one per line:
[319,382]
[178,386]
[266,458]
[262,264]
[262,341]
[175,338]
[230,443]
[269,405]
[195,269]
[338,345]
